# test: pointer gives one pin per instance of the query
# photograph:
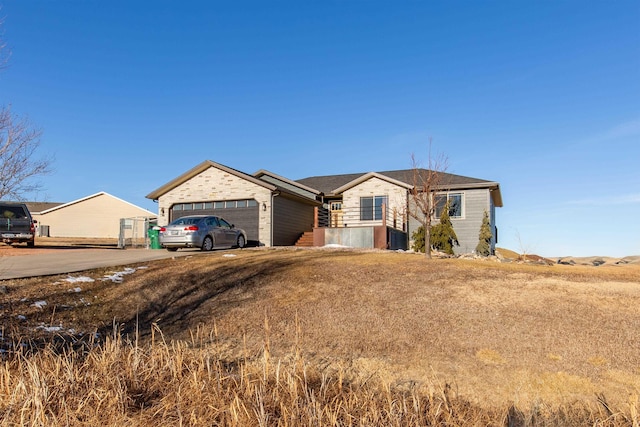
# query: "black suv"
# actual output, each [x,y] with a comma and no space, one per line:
[16,224]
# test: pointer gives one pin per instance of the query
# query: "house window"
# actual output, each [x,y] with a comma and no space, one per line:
[371,208]
[455,204]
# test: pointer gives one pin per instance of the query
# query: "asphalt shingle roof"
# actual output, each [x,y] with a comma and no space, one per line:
[326,184]
[37,207]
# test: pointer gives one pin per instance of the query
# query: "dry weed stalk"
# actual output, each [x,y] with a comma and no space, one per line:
[179,383]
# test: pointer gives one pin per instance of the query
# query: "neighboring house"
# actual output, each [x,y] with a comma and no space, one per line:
[362,209]
[96,216]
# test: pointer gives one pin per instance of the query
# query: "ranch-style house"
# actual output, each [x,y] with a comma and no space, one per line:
[358,210]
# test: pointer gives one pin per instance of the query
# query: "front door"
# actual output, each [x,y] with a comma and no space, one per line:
[336,214]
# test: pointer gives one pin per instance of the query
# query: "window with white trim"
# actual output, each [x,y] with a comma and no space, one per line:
[456,204]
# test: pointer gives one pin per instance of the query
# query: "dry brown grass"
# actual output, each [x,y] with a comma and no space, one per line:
[331,338]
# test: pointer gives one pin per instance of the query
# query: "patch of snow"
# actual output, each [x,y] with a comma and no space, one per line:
[21,317]
[143,267]
[80,279]
[335,245]
[229,255]
[40,304]
[50,328]
[76,290]
[118,277]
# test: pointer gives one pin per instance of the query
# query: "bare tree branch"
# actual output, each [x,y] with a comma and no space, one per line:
[18,164]
[425,183]
[19,141]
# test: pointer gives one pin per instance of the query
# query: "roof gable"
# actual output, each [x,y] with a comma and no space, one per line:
[368,176]
[154,195]
[101,193]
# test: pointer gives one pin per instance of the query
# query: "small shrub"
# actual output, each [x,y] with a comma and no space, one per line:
[418,239]
[484,239]
[443,236]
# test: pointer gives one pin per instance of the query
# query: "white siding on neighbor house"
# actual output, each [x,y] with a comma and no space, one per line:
[397,197]
[97,217]
[214,184]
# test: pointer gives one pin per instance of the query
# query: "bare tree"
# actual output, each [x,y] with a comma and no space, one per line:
[19,141]
[18,164]
[425,183]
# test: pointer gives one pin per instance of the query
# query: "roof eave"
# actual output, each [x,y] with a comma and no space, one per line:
[494,189]
[287,180]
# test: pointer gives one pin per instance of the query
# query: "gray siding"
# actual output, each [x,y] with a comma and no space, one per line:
[468,228]
[291,218]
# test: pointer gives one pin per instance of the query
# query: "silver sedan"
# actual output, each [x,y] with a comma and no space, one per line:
[201,231]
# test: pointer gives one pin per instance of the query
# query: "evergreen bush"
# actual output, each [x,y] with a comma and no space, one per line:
[484,239]
[443,236]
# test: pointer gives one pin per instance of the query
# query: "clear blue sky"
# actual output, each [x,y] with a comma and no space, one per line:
[541,96]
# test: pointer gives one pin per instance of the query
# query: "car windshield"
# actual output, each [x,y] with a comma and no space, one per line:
[185,221]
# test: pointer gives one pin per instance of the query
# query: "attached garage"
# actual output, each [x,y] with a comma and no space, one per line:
[271,209]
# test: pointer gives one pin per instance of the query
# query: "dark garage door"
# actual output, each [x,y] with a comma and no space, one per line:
[242,213]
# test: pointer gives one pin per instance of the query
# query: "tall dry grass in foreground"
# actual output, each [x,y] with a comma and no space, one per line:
[191,383]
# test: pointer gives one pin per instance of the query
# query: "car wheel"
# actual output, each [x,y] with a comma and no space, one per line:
[207,245]
[172,249]
[241,241]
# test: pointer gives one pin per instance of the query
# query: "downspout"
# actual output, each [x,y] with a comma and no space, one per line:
[273,196]
[407,217]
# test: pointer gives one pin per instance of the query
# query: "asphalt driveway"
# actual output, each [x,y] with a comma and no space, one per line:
[62,261]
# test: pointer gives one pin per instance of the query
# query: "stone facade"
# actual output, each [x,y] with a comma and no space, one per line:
[396,196]
[214,184]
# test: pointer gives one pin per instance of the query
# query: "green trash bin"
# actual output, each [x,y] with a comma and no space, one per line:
[154,241]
